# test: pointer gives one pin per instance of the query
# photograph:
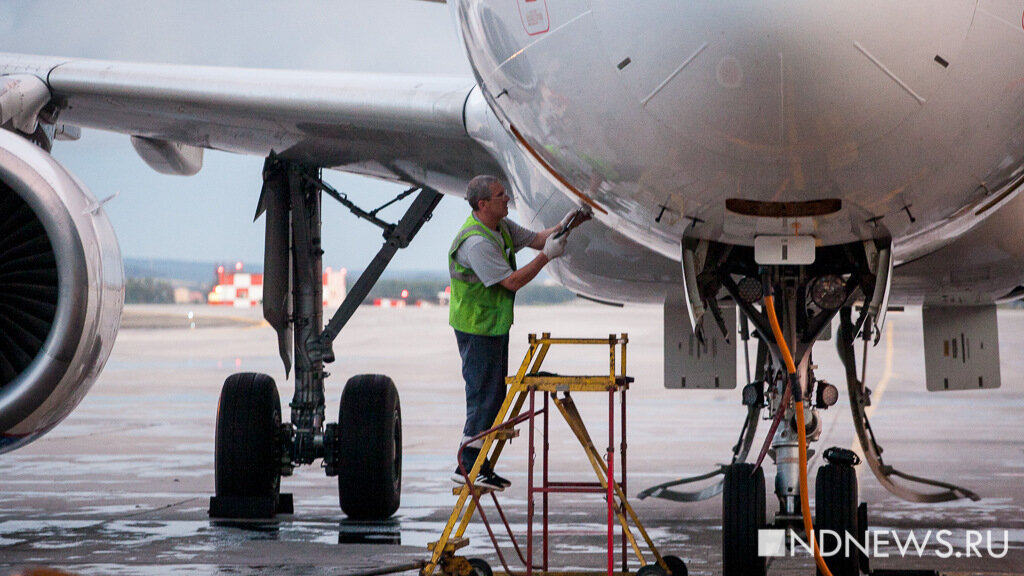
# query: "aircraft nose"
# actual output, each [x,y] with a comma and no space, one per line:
[782,73]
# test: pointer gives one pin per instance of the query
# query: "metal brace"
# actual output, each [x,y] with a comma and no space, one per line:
[370,216]
[396,237]
[865,435]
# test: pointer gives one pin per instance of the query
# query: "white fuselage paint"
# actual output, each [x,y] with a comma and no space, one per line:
[907,111]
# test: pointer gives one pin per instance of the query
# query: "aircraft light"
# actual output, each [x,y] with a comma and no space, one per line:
[828,395]
[752,395]
[828,291]
[750,289]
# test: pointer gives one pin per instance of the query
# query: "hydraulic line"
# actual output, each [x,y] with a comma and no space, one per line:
[788,391]
[798,403]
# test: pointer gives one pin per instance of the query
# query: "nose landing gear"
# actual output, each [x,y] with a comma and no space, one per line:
[807,298]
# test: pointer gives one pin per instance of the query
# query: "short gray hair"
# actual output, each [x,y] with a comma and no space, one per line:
[480,189]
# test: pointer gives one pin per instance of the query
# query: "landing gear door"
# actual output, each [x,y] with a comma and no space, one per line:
[961,348]
[690,364]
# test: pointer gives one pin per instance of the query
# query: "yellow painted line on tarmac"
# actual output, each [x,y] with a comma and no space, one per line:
[883,382]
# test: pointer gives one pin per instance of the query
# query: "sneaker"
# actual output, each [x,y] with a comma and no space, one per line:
[482,480]
[504,482]
[486,470]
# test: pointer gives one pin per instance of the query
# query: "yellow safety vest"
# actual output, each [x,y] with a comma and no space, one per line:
[475,308]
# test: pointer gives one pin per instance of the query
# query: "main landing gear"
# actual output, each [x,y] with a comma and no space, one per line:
[254,448]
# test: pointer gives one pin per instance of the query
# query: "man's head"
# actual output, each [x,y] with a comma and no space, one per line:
[487,197]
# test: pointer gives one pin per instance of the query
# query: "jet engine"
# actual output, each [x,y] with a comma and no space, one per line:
[61,291]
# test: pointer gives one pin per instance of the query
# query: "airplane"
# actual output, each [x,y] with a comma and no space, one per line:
[762,170]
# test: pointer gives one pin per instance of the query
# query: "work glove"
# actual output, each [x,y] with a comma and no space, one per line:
[582,214]
[555,247]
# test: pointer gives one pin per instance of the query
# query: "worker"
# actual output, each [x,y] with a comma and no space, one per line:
[484,281]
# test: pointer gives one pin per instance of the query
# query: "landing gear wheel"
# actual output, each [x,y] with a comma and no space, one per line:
[676,566]
[247,461]
[743,514]
[651,570]
[369,448]
[862,525]
[835,510]
[480,567]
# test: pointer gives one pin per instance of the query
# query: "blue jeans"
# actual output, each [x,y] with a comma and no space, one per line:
[484,367]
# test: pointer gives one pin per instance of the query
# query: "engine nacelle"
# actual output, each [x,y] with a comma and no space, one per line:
[61,291]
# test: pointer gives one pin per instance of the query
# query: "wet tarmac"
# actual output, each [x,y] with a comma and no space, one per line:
[123,486]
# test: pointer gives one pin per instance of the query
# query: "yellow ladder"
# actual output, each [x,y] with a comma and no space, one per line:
[557,389]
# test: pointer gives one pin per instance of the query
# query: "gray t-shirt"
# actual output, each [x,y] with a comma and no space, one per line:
[485,259]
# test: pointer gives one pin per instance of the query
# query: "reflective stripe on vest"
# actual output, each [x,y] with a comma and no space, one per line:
[475,308]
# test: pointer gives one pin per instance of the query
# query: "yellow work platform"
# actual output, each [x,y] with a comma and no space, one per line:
[556,390]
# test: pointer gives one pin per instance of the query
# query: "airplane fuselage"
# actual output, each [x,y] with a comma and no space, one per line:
[726,120]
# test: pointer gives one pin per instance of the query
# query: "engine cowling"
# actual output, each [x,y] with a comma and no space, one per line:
[61,291]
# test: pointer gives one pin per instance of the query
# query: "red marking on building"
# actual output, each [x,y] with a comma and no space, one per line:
[389,303]
[243,290]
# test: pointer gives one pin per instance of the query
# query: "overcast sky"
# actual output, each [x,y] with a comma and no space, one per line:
[208,217]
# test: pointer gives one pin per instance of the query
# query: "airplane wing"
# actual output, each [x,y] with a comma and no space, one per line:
[59,258]
[400,128]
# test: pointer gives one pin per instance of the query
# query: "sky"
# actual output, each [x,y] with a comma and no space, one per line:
[209,216]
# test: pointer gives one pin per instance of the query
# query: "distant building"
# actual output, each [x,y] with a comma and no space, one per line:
[243,290]
[335,287]
[185,295]
[389,302]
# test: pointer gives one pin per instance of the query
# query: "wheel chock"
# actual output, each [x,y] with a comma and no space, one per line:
[285,504]
[250,507]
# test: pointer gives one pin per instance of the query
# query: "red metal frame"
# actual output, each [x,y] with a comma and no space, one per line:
[548,487]
[501,513]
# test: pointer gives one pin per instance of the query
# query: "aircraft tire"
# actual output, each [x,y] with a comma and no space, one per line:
[651,570]
[480,567]
[835,509]
[369,448]
[247,451]
[676,566]
[743,514]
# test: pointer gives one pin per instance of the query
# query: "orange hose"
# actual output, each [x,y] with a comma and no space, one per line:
[787,356]
[805,502]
